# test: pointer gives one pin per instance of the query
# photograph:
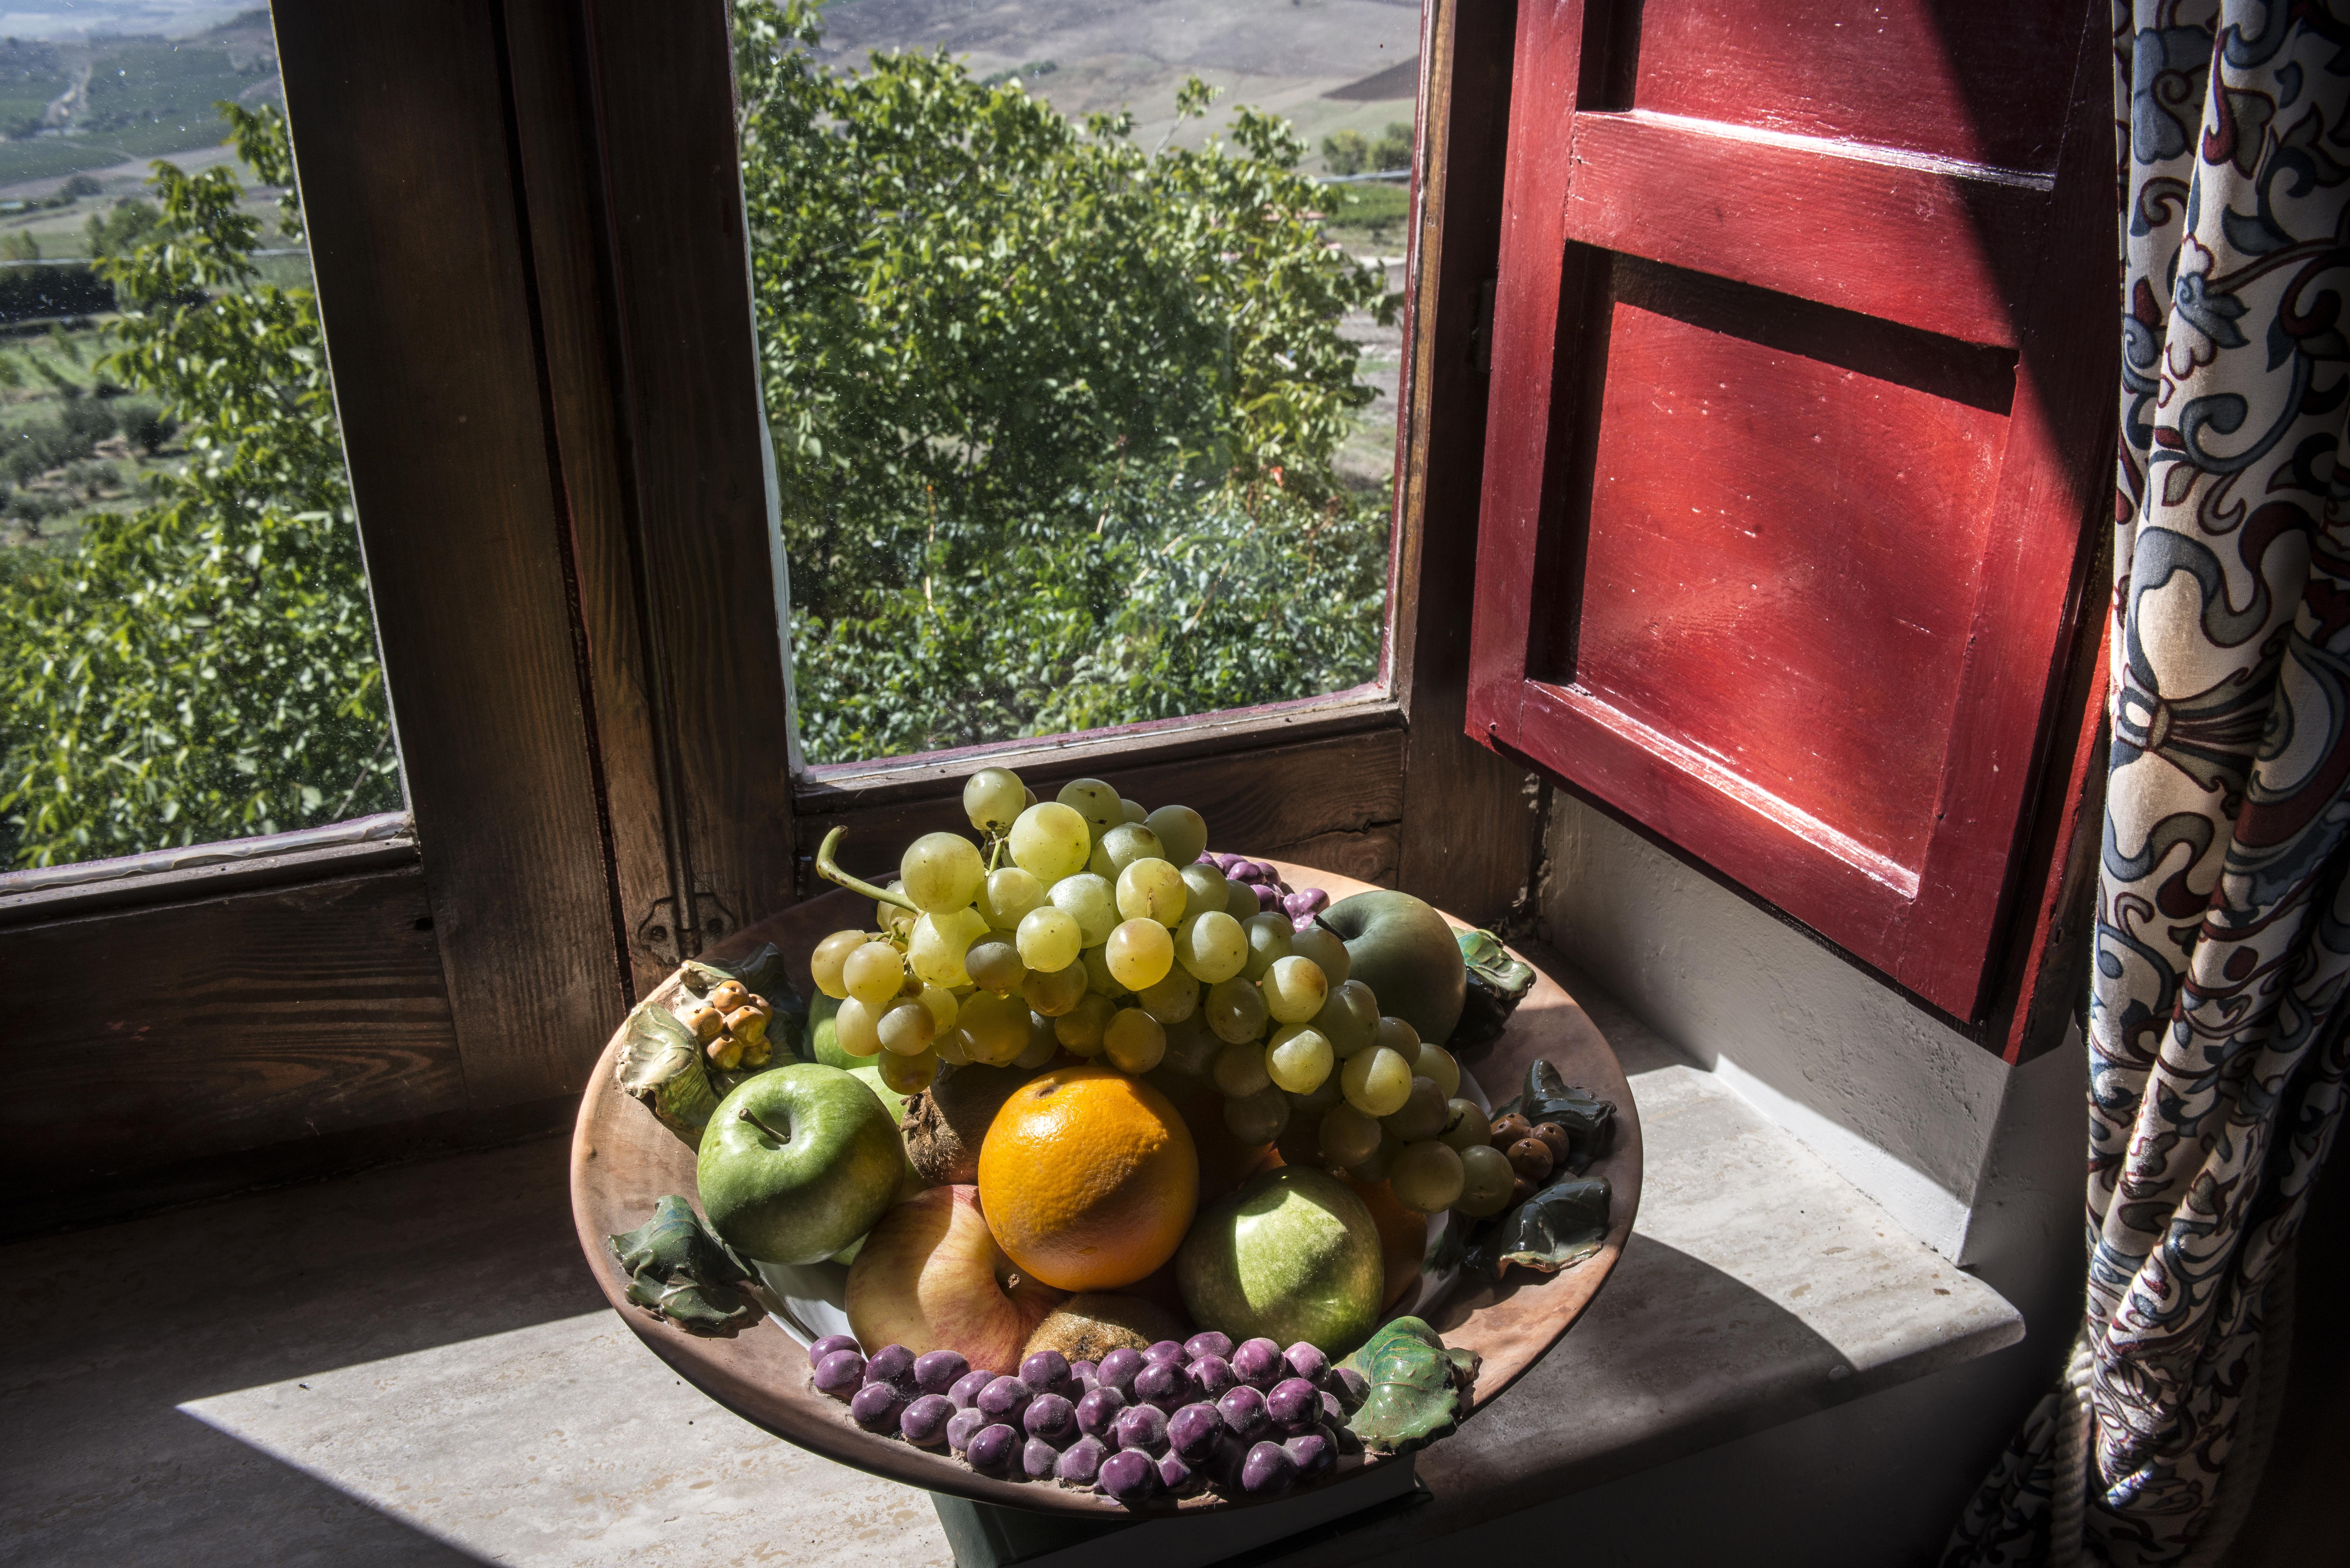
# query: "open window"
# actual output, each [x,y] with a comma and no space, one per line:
[537,281]
[538,288]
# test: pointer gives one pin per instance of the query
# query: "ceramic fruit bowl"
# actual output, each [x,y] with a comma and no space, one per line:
[623,1160]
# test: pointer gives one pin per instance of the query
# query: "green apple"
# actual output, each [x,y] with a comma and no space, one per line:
[823,1038]
[868,1072]
[796,1163]
[1292,1255]
[1406,952]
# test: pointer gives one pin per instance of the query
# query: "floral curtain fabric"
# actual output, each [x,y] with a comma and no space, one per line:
[2216,1037]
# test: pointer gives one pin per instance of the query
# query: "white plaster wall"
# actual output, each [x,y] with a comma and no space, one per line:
[1902,1105]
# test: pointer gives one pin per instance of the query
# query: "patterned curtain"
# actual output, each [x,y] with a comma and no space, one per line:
[2216,1029]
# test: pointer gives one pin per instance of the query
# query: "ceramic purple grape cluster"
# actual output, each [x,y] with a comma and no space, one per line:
[1248,1420]
[1272,892]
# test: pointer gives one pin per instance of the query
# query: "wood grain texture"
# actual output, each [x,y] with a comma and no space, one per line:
[694,436]
[1526,422]
[845,786]
[622,1160]
[1886,75]
[1372,855]
[399,136]
[1467,840]
[139,1041]
[1277,794]
[135,886]
[1789,587]
[2043,981]
[556,152]
[2054,506]
[1796,863]
[1934,248]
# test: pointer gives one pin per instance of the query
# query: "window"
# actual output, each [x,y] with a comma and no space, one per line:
[1080,376]
[536,297]
[187,651]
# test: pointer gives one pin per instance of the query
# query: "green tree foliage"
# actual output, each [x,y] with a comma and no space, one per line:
[122,229]
[1349,152]
[204,666]
[1053,418]
[1053,414]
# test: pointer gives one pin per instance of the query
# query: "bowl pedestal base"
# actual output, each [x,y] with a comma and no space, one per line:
[986,1536]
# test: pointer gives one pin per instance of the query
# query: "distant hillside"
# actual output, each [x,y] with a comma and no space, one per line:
[70,107]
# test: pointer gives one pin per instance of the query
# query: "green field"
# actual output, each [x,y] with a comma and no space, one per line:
[138,98]
[53,403]
[1370,215]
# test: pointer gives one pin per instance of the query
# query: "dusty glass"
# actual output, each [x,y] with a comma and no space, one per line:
[1077,329]
[186,648]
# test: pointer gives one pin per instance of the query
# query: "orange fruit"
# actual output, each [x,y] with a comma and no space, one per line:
[1088,1178]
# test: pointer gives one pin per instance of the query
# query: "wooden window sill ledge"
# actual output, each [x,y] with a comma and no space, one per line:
[352,847]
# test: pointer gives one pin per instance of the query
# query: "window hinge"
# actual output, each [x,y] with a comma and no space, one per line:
[670,942]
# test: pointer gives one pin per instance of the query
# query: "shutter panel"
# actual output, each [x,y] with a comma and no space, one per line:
[1802,402]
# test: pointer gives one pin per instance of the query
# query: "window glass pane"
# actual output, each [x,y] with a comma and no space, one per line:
[1081,370]
[186,648]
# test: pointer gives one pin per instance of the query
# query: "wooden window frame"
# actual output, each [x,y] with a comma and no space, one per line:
[558,451]
[558,456]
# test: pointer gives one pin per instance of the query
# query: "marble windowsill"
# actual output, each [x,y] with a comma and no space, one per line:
[1758,1287]
[413,1366]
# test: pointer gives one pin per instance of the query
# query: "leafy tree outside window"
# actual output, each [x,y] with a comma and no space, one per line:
[203,666]
[1054,418]
[1055,415]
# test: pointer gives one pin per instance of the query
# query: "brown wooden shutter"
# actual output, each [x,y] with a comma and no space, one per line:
[1802,379]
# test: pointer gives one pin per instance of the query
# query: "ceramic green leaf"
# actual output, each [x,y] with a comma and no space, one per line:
[660,1066]
[1589,1121]
[1417,1390]
[1497,983]
[1561,1224]
[680,1272]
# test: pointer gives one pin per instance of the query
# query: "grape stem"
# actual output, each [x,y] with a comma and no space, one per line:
[829,869]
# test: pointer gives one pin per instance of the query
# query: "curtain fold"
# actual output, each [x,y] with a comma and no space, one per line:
[2216,1029]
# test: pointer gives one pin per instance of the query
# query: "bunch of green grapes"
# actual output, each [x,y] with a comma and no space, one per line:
[1088,925]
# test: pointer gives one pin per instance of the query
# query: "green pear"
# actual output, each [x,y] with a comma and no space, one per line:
[1406,952]
[797,1163]
[1292,1255]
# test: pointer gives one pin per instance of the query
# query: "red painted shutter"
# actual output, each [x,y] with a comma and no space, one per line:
[1802,378]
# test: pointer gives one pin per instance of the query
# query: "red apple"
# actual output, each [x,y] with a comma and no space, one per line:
[931,1278]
